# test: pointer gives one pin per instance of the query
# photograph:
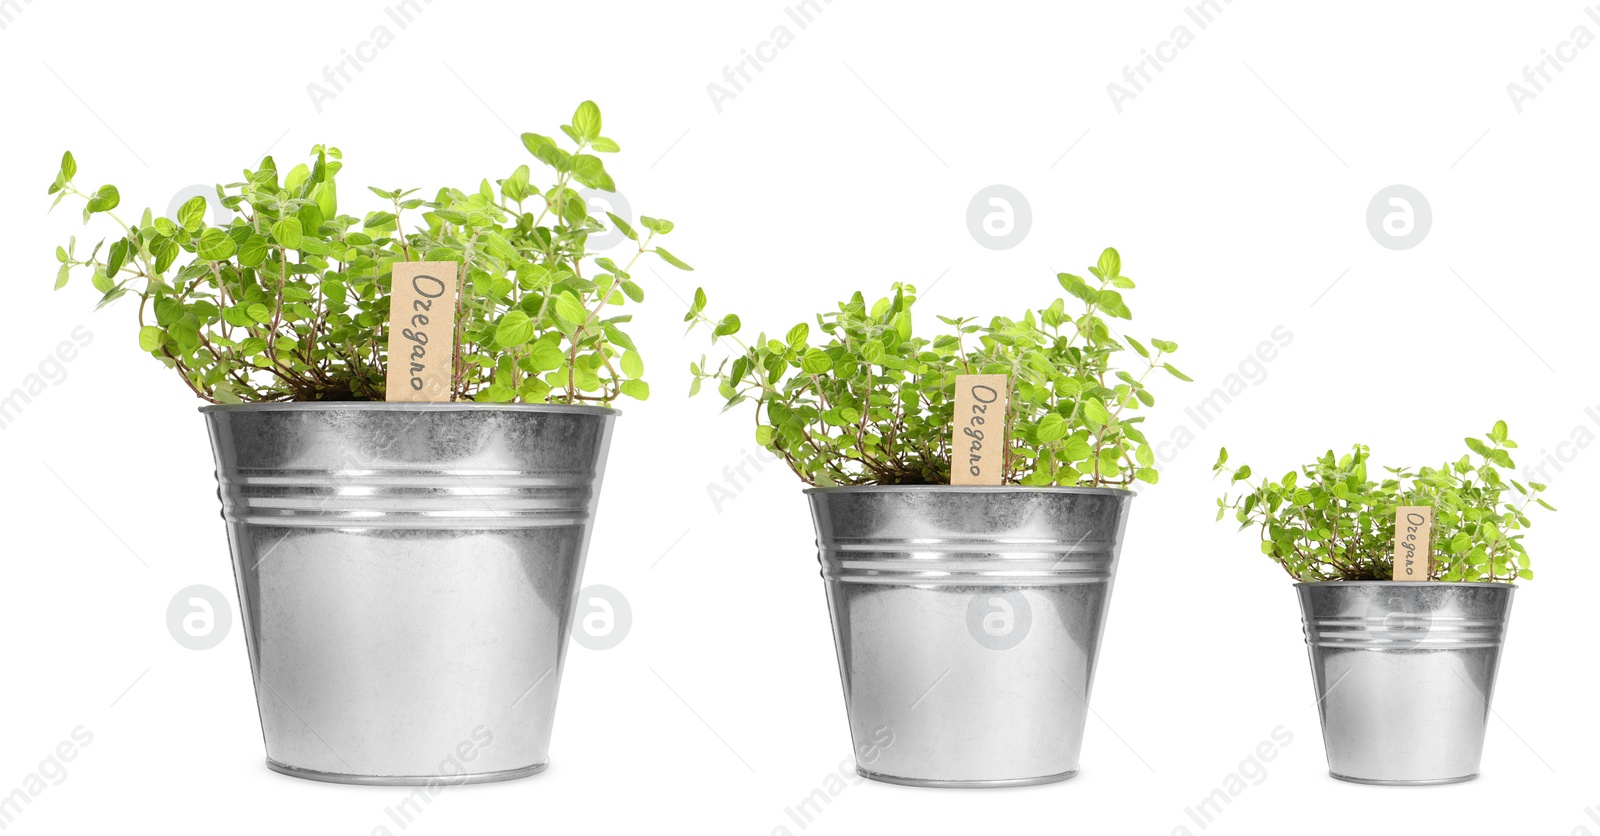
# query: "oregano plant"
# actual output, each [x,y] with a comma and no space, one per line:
[858,398]
[1330,521]
[290,300]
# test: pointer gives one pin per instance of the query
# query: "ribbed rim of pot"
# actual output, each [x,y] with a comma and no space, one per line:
[972,489]
[1492,585]
[387,406]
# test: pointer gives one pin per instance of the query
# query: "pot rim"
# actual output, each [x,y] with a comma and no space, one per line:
[1065,489]
[1491,584]
[403,406]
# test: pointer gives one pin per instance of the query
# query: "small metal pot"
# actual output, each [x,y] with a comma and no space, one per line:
[967,621]
[1404,675]
[407,576]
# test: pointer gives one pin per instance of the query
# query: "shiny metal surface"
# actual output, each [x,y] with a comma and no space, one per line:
[967,621]
[1404,675]
[407,579]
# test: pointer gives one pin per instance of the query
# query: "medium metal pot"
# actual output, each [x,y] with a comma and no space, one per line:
[1404,675]
[407,577]
[967,621]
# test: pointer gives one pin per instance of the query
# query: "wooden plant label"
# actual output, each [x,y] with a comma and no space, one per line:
[978,440]
[1413,538]
[422,307]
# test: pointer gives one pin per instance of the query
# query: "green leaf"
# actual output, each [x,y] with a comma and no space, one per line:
[64,175]
[498,393]
[151,337]
[1076,286]
[623,225]
[288,233]
[1177,374]
[535,142]
[672,259]
[215,245]
[586,121]
[1095,413]
[658,226]
[515,186]
[632,364]
[1051,428]
[636,389]
[498,246]
[104,200]
[514,329]
[1111,304]
[192,214]
[816,362]
[116,257]
[297,177]
[1110,263]
[311,218]
[798,336]
[254,250]
[326,196]
[615,336]
[590,171]
[601,143]
[545,356]
[902,325]
[570,309]
[185,333]
[238,316]
[728,326]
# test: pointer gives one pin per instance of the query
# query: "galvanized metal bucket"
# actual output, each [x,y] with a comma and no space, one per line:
[967,621]
[407,579]
[1404,675]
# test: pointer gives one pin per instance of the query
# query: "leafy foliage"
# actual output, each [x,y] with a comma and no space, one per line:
[290,302]
[868,402]
[1337,524]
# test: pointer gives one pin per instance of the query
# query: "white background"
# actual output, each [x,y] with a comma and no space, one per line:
[1236,187]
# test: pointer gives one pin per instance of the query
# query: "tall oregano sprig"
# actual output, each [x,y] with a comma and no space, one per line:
[290,300]
[869,402]
[1330,522]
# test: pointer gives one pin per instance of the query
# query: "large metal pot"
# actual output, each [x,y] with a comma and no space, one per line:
[967,621]
[407,579]
[1404,674]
